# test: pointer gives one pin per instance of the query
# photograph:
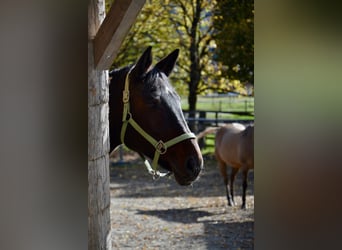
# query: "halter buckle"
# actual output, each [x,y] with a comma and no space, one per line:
[161,147]
[125,96]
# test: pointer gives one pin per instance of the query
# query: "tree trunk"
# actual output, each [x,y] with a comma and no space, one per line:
[99,233]
[192,99]
[195,71]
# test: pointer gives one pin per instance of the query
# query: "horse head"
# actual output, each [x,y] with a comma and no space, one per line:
[146,115]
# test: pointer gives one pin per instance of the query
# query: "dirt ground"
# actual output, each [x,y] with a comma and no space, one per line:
[160,214]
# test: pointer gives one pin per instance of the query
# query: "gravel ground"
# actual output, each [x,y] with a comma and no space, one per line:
[160,214]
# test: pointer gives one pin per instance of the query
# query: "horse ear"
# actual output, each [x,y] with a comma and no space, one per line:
[143,63]
[166,64]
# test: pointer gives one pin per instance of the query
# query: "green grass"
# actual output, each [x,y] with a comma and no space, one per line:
[229,116]
[222,103]
[210,145]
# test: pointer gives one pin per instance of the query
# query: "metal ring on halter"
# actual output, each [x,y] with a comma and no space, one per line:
[161,147]
[128,116]
[156,174]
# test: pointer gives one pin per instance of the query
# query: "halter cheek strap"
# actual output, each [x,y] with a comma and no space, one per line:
[160,146]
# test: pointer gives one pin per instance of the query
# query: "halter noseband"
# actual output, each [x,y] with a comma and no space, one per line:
[160,146]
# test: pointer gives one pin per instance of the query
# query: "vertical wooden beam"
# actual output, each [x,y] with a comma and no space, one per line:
[99,233]
[113,30]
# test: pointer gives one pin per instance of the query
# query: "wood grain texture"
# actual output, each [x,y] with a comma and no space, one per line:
[99,233]
[98,83]
[98,131]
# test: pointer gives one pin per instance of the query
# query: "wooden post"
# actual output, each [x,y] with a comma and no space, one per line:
[121,16]
[99,233]
[105,36]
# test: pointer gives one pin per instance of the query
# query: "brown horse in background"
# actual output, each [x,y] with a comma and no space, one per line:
[234,147]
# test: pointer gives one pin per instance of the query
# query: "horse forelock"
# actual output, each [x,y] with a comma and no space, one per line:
[156,84]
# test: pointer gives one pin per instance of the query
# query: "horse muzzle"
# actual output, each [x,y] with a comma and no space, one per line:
[192,169]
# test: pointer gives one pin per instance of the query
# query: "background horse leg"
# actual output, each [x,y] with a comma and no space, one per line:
[223,170]
[244,187]
[231,186]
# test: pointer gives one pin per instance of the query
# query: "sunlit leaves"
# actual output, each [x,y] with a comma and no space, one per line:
[235,38]
[225,51]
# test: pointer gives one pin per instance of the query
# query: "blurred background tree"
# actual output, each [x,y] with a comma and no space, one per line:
[215,40]
[193,23]
[234,23]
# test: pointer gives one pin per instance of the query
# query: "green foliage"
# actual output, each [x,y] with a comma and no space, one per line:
[152,28]
[209,148]
[187,25]
[234,22]
[225,104]
[193,22]
[235,38]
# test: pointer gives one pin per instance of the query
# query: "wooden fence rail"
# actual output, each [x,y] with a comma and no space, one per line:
[201,119]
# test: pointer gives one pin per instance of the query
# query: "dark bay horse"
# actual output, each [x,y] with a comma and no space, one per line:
[145,114]
[234,147]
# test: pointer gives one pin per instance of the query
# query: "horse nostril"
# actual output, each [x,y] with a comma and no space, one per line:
[193,166]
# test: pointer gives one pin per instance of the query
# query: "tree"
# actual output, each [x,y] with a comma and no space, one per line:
[187,24]
[192,21]
[234,22]
[153,28]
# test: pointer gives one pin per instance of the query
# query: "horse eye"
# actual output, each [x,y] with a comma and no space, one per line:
[154,102]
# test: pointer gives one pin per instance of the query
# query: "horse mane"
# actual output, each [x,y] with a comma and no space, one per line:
[155,88]
[119,71]
[151,89]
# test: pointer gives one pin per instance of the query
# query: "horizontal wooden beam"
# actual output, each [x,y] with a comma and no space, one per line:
[113,30]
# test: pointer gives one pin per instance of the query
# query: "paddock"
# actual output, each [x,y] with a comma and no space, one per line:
[160,214]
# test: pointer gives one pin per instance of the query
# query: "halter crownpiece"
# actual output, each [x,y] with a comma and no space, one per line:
[160,146]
